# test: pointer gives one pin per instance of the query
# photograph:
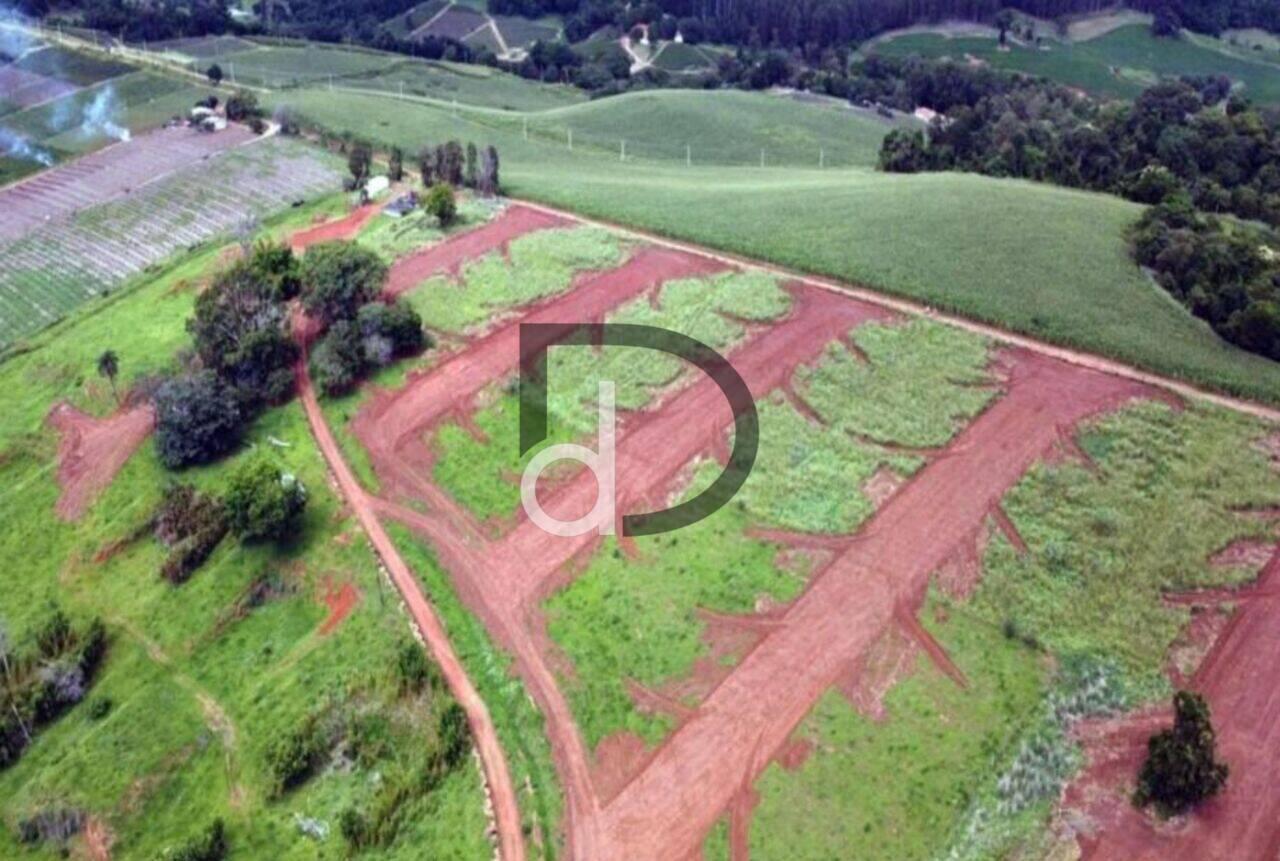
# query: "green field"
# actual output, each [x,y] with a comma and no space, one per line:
[1041,260]
[1119,64]
[199,678]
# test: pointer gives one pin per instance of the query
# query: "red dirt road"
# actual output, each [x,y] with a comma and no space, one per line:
[497,776]
[340,228]
[667,810]
[1244,821]
[93,450]
[448,256]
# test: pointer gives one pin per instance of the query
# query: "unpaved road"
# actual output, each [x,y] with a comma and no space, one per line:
[497,775]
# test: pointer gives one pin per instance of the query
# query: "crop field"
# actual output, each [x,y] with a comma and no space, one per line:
[1026,525]
[200,679]
[469,86]
[70,66]
[1040,260]
[81,231]
[679,57]
[1120,63]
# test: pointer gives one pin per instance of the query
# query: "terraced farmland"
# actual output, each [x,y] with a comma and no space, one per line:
[50,270]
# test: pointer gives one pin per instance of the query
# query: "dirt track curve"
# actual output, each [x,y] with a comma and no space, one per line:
[497,776]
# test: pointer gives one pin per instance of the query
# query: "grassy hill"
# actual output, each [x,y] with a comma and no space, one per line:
[201,679]
[1045,261]
[1120,63]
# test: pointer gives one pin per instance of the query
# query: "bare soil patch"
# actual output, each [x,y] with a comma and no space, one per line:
[93,450]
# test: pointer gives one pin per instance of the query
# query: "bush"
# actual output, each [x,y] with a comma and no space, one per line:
[337,362]
[242,106]
[292,758]
[263,502]
[209,845]
[100,708]
[198,419]
[339,277]
[414,671]
[1181,768]
[184,511]
[389,331]
[189,554]
[442,204]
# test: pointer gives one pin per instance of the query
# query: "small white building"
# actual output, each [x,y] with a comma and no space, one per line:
[376,186]
[927,115]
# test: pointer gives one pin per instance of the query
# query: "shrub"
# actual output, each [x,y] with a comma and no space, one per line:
[262,501]
[454,734]
[442,204]
[100,708]
[242,106]
[389,331]
[339,277]
[190,553]
[1181,768]
[184,511]
[292,758]
[337,362]
[414,671]
[198,419]
[208,845]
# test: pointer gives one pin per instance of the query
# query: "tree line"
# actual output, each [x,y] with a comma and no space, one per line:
[1207,161]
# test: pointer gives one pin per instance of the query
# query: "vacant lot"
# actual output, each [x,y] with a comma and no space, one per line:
[796,598]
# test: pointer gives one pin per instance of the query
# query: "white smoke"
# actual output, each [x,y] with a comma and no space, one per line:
[99,116]
[15,145]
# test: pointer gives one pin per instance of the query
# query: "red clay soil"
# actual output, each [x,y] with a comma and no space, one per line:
[869,587]
[93,450]
[447,257]
[497,776]
[667,810]
[340,600]
[339,228]
[1244,820]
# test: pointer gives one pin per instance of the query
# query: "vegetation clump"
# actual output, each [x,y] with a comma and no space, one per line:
[191,524]
[198,419]
[1182,768]
[338,278]
[262,501]
[46,679]
[209,845]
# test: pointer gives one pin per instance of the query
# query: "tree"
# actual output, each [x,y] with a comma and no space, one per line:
[241,330]
[395,164]
[473,166]
[442,204]
[359,160]
[388,331]
[903,151]
[338,362]
[427,166]
[1165,23]
[262,501]
[1181,769]
[108,367]
[214,74]
[198,419]
[489,182]
[242,106]
[339,277]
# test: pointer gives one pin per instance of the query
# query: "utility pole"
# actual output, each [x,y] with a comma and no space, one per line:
[688,155]
[622,153]
[526,128]
[762,158]
[570,140]
[822,157]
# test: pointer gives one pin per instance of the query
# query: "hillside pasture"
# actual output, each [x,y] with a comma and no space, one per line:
[1119,63]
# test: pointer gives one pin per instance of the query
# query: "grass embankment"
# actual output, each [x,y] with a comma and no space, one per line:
[202,677]
[1039,260]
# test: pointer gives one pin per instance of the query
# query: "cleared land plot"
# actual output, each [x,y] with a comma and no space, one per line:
[290,64]
[406,22]
[113,222]
[1120,63]
[679,57]
[469,86]
[785,602]
[522,32]
[203,47]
